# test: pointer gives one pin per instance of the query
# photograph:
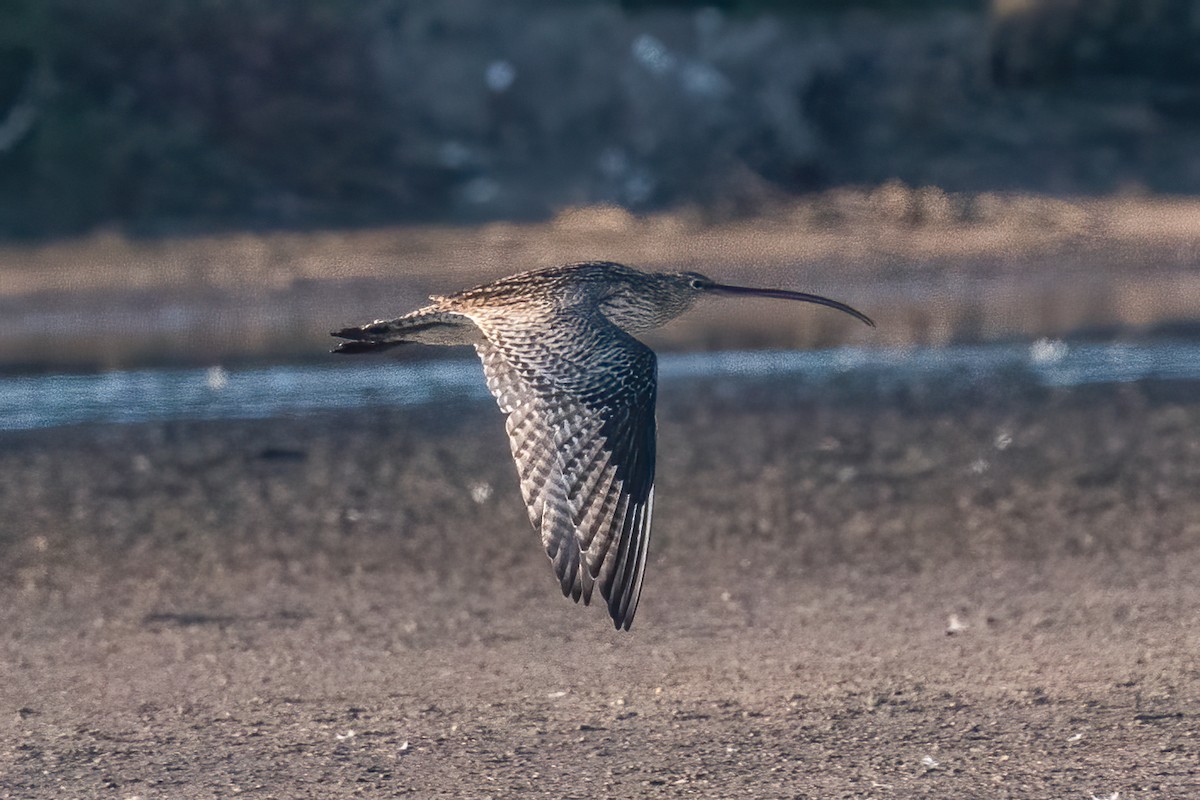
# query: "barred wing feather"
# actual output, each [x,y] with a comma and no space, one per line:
[582,430]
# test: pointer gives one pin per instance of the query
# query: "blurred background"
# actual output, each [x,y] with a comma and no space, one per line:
[951,556]
[217,181]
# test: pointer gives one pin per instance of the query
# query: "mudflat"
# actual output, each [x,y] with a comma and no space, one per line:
[918,592]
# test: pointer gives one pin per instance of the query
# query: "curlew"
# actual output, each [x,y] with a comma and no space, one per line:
[578,390]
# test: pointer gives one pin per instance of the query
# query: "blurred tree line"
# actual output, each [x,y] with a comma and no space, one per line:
[167,114]
[181,109]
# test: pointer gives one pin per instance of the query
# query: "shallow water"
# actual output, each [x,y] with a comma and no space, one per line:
[135,396]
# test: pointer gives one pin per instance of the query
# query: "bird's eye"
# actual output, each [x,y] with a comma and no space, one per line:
[696,283]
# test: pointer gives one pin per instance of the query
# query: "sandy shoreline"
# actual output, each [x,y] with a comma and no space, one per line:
[351,604]
[931,268]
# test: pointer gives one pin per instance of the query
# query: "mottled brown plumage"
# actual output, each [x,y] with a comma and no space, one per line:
[579,391]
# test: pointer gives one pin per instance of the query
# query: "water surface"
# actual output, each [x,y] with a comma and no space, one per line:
[142,395]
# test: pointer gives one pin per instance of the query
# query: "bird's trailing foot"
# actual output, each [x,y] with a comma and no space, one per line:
[379,335]
[354,348]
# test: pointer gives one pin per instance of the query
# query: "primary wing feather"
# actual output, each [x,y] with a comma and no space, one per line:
[580,408]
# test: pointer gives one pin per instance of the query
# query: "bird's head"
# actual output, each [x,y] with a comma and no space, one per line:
[693,285]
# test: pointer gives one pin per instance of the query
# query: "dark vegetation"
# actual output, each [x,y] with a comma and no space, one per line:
[168,115]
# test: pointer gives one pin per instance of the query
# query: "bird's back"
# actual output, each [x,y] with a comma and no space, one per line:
[633,300]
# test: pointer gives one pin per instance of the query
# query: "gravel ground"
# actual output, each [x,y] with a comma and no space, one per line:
[980,590]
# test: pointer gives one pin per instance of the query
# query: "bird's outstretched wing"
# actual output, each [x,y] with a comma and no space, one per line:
[580,403]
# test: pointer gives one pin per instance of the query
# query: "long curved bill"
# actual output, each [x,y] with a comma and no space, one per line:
[784,294]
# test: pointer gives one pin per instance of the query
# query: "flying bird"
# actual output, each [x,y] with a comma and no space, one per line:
[578,390]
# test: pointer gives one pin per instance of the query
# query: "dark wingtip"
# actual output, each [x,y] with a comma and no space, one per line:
[348,333]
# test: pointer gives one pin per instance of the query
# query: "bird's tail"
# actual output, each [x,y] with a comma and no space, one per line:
[426,326]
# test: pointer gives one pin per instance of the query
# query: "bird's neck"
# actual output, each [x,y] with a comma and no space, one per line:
[636,313]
